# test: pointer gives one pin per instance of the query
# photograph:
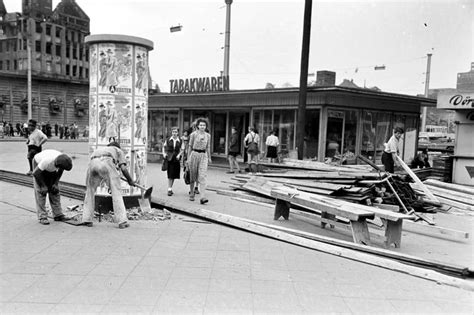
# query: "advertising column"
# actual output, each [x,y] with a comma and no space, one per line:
[118,93]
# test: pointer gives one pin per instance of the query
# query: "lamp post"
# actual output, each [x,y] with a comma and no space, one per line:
[427,88]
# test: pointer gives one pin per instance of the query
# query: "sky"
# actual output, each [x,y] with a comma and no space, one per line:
[348,37]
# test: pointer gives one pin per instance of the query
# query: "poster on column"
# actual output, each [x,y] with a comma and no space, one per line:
[123,107]
[141,70]
[108,120]
[140,134]
[92,120]
[139,168]
[93,69]
[115,69]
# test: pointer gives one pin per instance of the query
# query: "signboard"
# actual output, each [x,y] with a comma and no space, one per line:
[455,100]
[199,85]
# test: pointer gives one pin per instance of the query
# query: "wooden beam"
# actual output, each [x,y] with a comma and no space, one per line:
[418,182]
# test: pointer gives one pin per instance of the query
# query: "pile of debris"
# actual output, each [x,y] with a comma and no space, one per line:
[133,214]
[353,183]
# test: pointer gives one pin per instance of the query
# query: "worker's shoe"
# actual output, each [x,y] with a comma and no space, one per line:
[170,192]
[61,218]
[191,197]
[29,173]
[88,224]
[196,191]
[44,221]
[203,201]
[124,225]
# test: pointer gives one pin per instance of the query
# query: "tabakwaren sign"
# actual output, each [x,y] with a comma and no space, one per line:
[455,100]
[199,85]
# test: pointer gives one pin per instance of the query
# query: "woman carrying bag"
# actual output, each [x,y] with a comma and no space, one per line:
[172,152]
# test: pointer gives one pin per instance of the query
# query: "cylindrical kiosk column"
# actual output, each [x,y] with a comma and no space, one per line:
[118,105]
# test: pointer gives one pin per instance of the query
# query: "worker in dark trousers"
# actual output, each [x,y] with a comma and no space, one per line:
[48,169]
[390,153]
[107,164]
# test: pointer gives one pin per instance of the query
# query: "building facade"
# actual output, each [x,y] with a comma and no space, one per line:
[358,120]
[53,42]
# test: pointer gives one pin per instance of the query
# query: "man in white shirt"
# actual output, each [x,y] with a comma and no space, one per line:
[389,156]
[48,169]
[35,141]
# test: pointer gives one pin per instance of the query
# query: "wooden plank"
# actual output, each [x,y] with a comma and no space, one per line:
[452,195]
[455,204]
[451,187]
[363,254]
[309,200]
[360,232]
[435,231]
[418,182]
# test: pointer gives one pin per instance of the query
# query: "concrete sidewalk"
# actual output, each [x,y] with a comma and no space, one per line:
[178,266]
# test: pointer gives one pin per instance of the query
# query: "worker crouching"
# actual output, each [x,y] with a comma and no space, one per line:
[107,164]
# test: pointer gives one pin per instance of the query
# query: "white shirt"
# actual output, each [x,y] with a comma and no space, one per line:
[36,137]
[45,160]
[392,145]
[272,141]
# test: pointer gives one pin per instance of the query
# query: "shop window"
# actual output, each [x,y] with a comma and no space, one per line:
[350,136]
[237,120]
[284,123]
[160,123]
[311,134]
[375,132]
[409,138]
[219,133]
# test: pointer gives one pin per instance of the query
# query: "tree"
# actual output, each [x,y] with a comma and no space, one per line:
[269,85]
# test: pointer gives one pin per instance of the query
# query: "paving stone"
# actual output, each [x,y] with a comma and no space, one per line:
[230,285]
[228,301]
[124,296]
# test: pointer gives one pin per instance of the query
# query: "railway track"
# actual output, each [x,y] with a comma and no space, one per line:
[69,190]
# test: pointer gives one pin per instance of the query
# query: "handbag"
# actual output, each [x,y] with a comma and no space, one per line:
[164,167]
[186,176]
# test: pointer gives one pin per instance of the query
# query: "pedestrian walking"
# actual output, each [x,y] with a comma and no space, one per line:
[49,166]
[390,153]
[252,139]
[172,152]
[35,141]
[234,150]
[272,144]
[106,164]
[199,152]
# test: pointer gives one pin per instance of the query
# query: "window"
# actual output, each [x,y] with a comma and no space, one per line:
[1,46]
[68,49]
[311,134]
[58,31]
[49,48]
[68,69]
[87,73]
[58,50]
[1,65]
[375,132]
[15,64]
[8,65]
[39,29]
[160,123]
[74,71]
[48,30]
[38,46]
[74,51]
[87,55]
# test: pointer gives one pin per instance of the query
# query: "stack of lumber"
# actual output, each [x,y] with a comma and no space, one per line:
[442,167]
[454,196]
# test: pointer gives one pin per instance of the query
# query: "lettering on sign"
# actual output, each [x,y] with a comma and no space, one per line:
[457,100]
[466,101]
[199,85]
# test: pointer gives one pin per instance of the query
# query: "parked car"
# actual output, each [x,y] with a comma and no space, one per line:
[436,144]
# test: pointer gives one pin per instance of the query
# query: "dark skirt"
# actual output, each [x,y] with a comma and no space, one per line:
[173,169]
[234,154]
[271,152]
